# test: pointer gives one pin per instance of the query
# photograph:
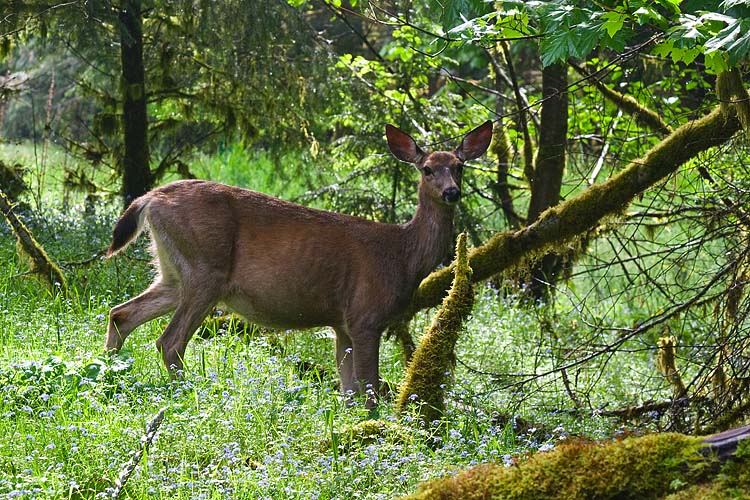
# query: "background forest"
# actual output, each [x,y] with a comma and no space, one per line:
[608,224]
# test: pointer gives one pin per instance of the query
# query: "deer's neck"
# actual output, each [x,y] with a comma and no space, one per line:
[428,237]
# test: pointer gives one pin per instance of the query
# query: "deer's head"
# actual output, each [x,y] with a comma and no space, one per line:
[441,170]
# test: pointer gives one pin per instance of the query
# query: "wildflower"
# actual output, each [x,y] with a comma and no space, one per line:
[547,447]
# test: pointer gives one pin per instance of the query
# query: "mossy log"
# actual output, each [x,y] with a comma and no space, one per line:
[433,361]
[40,263]
[582,213]
[672,466]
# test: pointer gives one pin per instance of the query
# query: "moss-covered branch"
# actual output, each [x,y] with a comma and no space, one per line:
[432,364]
[643,116]
[40,262]
[584,212]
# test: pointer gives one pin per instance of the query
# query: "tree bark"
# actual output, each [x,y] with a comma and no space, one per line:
[584,212]
[136,174]
[549,166]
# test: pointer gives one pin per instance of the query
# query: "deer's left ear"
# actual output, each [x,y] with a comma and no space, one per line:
[476,142]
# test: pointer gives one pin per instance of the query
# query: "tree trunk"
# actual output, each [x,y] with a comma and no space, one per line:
[549,166]
[136,175]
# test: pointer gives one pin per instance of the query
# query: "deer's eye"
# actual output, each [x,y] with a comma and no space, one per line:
[427,171]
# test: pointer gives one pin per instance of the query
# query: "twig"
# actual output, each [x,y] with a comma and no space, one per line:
[146,440]
[81,263]
[605,150]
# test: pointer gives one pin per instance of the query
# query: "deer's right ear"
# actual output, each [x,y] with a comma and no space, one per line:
[402,145]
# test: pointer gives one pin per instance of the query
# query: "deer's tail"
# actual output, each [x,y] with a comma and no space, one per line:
[129,226]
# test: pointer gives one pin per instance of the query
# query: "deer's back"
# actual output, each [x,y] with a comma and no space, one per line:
[283,264]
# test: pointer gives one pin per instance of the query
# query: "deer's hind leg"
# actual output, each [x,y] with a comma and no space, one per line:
[159,299]
[200,290]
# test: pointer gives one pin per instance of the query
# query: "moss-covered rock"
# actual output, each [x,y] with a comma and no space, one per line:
[645,467]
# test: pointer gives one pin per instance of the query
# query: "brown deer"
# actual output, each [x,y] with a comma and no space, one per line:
[288,266]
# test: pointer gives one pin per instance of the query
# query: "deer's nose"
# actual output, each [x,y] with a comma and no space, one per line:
[451,195]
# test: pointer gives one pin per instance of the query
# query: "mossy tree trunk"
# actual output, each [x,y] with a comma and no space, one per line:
[549,166]
[584,212]
[136,173]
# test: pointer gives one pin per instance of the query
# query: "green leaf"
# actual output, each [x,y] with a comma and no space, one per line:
[613,22]
[716,62]
[673,5]
[739,51]
[557,47]
[728,4]
[92,370]
[725,37]
[460,11]
[663,49]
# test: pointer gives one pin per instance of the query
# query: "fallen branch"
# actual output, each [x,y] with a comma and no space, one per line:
[146,440]
[39,262]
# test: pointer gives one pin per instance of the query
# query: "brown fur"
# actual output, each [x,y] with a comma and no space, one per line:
[288,266]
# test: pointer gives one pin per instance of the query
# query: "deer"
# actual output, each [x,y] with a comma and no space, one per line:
[288,266]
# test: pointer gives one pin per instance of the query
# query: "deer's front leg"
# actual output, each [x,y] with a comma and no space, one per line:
[366,344]
[344,363]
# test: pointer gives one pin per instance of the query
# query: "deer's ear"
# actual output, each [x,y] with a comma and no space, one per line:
[476,142]
[402,145]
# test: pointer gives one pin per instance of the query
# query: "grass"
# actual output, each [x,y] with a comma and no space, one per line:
[244,423]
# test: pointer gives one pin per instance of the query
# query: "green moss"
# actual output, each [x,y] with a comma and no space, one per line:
[731,482]
[429,372]
[644,116]
[734,99]
[637,468]
[367,432]
[666,364]
[500,146]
